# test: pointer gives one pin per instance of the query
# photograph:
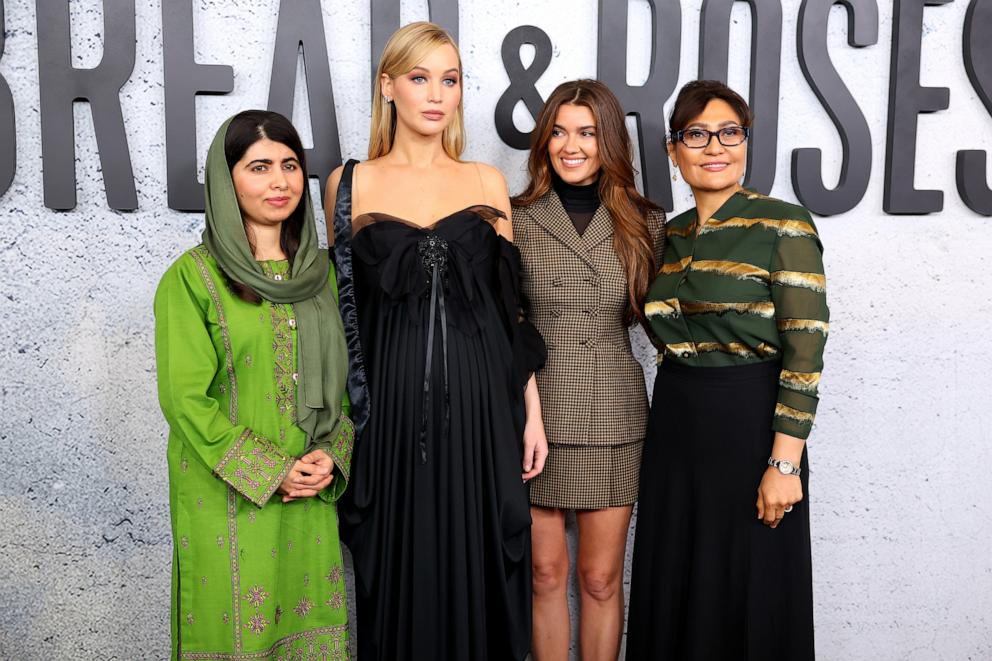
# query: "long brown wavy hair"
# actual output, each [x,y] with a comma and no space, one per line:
[628,208]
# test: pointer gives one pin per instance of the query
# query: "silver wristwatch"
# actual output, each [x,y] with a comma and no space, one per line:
[784,466]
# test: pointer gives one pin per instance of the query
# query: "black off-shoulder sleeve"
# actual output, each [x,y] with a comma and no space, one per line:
[358,391]
[529,351]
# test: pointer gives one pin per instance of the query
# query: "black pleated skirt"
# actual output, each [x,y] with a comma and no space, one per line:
[709,580]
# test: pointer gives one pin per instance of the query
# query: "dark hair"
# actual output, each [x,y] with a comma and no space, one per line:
[247,128]
[694,96]
[628,208]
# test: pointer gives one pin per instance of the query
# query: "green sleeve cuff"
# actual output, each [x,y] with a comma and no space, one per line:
[340,450]
[254,466]
[794,413]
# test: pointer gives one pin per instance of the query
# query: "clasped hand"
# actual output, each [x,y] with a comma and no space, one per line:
[309,475]
[776,493]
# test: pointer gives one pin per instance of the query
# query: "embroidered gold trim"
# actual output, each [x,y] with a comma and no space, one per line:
[815,281]
[232,531]
[283,355]
[343,445]
[808,325]
[254,466]
[797,416]
[666,308]
[764,309]
[199,256]
[783,227]
[736,270]
[337,633]
[675,267]
[282,360]
[801,381]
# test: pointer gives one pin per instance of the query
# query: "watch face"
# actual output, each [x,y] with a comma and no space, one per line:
[785,467]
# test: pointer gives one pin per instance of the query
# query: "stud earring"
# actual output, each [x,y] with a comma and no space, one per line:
[388,99]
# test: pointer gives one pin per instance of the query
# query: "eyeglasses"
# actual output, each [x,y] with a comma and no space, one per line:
[697,138]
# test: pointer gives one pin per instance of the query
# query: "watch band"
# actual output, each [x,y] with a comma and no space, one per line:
[777,463]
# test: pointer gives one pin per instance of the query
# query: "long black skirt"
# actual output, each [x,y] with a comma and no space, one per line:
[710,580]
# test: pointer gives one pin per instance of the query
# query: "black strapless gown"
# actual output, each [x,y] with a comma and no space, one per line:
[436,515]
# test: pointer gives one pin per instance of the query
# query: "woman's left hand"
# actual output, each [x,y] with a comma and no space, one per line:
[535,448]
[535,438]
[775,493]
[325,464]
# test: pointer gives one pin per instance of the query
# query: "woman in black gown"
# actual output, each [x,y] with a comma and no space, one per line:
[437,520]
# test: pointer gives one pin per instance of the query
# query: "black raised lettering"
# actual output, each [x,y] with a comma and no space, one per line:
[766,55]
[184,79]
[644,102]
[61,85]
[8,133]
[301,26]
[522,80]
[855,137]
[907,99]
[972,170]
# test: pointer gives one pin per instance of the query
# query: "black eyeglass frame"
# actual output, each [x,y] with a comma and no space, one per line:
[680,136]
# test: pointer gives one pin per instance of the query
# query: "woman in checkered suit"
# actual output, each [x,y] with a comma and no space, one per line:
[590,244]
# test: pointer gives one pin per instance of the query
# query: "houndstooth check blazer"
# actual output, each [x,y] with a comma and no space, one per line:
[575,289]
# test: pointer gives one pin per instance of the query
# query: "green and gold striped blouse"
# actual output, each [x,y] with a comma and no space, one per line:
[748,287]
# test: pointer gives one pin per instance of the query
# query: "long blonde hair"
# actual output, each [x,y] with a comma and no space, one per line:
[405,49]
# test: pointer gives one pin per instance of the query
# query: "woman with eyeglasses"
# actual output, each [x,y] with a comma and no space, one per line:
[721,566]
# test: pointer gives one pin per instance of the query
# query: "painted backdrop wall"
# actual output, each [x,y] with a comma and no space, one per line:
[902,502]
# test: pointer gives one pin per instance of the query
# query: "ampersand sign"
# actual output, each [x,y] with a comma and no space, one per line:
[522,80]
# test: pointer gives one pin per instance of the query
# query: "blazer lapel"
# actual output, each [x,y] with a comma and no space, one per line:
[600,228]
[551,215]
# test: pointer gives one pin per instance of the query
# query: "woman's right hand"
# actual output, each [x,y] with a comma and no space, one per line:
[304,480]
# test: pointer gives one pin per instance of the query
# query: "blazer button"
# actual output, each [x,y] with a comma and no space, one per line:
[556,313]
[557,281]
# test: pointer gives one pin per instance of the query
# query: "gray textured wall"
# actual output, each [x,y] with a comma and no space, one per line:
[902,503]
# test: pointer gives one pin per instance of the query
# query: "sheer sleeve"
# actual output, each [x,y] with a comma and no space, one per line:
[798,288]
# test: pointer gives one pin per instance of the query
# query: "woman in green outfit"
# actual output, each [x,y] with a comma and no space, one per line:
[721,566]
[252,366]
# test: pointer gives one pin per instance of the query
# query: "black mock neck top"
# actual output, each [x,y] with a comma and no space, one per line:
[580,202]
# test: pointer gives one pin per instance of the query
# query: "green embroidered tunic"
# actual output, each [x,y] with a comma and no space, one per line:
[253,577]
[748,288]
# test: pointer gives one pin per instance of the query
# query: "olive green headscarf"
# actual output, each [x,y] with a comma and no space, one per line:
[322,355]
